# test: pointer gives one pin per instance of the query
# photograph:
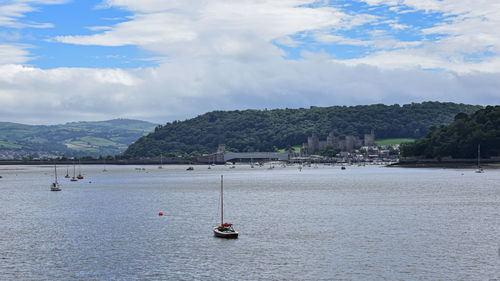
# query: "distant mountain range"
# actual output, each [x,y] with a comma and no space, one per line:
[95,139]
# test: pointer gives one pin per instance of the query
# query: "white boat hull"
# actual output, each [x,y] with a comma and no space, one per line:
[55,187]
[225,234]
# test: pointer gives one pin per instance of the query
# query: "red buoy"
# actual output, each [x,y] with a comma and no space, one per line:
[160,214]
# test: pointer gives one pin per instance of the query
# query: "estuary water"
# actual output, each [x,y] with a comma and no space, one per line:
[362,223]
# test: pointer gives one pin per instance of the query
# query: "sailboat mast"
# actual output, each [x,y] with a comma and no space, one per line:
[478,155]
[55,170]
[221,199]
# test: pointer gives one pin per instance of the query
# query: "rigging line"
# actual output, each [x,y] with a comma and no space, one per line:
[218,211]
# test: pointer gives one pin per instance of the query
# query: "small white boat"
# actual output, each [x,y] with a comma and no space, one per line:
[479,169]
[161,161]
[55,186]
[73,178]
[80,177]
[224,230]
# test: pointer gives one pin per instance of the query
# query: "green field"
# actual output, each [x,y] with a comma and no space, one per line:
[392,141]
[296,148]
[8,145]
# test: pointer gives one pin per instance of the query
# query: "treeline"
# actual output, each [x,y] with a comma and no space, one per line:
[461,138]
[267,130]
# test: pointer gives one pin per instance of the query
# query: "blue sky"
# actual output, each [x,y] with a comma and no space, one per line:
[161,60]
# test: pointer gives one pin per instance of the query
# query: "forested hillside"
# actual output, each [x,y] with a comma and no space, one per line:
[70,139]
[461,138]
[267,130]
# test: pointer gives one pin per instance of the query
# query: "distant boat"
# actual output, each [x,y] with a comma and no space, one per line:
[67,173]
[271,166]
[190,168]
[343,167]
[479,169]
[161,162]
[224,230]
[55,186]
[73,178]
[80,177]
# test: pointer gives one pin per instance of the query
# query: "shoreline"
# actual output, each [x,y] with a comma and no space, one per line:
[453,164]
[96,162]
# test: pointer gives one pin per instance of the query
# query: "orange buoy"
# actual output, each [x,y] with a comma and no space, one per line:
[160,214]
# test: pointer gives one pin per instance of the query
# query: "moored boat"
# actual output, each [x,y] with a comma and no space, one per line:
[224,230]
[55,186]
[479,169]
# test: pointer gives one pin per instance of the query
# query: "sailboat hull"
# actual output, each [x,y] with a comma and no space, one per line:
[225,234]
[55,187]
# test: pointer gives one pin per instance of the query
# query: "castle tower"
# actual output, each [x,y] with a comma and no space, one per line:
[370,139]
[312,144]
[350,141]
[330,140]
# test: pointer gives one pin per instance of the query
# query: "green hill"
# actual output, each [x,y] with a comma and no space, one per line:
[267,130]
[381,142]
[71,139]
[461,138]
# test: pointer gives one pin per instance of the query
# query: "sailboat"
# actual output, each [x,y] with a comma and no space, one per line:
[55,186]
[161,162]
[67,173]
[479,169]
[80,177]
[224,230]
[73,178]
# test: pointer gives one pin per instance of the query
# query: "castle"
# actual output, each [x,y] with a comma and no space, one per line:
[348,144]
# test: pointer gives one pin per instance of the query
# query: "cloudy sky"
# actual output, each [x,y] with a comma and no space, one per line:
[163,60]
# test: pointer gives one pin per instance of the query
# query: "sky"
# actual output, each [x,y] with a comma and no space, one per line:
[165,60]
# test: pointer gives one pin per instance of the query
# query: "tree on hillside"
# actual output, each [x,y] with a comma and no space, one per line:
[461,138]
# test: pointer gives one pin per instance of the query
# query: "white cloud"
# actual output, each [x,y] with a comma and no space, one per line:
[63,93]
[222,55]
[469,39]
[247,29]
[188,87]
[13,53]
[205,28]
[12,11]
